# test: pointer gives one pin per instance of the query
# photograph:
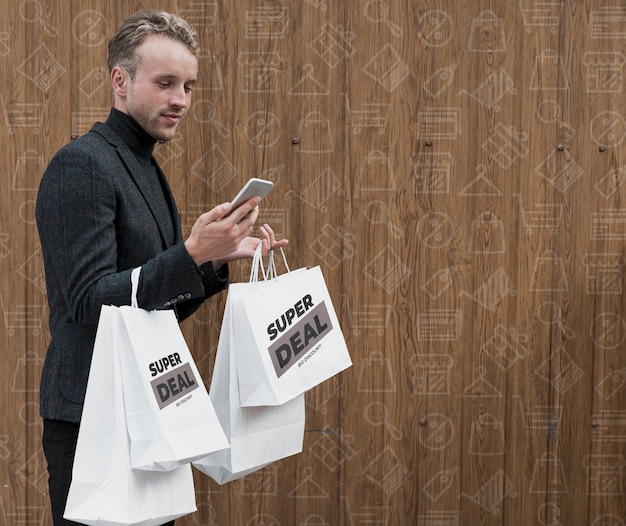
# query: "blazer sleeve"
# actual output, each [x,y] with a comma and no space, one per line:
[95,227]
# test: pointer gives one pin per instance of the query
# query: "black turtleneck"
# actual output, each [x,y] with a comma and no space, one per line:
[142,146]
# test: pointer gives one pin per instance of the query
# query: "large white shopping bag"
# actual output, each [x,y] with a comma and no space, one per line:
[171,419]
[287,338]
[105,490]
[258,435]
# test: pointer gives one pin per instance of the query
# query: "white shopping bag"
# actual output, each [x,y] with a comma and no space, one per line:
[105,491]
[287,338]
[258,435]
[171,419]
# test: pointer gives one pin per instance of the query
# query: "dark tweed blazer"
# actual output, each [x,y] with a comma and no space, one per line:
[96,224]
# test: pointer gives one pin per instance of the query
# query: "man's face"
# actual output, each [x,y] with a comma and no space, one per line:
[160,94]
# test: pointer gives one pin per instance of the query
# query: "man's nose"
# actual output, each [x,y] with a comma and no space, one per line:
[180,97]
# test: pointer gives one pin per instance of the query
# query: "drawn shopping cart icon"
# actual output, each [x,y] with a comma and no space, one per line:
[366,515]
[542,418]
[541,13]
[23,115]
[610,426]
[266,21]
[368,317]
[22,317]
[369,115]
[542,216]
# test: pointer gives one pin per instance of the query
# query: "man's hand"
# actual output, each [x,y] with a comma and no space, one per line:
[217,235]
[269,239]
[248,246]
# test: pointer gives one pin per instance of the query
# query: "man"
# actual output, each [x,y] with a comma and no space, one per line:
[104,207]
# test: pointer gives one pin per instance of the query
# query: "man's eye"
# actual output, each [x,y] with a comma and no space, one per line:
[164,84]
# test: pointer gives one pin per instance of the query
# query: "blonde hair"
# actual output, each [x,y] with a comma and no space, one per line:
[131,33]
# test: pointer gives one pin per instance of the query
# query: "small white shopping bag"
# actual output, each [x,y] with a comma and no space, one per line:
[287,338]
[258,435]
[105,490]
[171,419]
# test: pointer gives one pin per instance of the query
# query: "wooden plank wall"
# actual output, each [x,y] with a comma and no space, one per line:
[456,169]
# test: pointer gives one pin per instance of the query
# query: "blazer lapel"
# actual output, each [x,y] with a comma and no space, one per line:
[135,172]
[147,191]
[171,202]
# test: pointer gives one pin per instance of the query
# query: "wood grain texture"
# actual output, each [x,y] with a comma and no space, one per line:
[456,169]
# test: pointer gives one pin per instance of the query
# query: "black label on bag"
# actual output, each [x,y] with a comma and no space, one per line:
[290,349]
[173,385]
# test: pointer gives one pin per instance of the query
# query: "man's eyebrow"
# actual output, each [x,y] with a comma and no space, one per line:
[171,76]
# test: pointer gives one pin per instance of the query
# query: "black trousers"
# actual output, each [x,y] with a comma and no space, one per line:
[59,446]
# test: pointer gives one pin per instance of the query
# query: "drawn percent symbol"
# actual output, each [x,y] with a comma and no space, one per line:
[438,431]
[608,331]
[435,230]
[436,28]
[608,128]
[90,28]
[263,129]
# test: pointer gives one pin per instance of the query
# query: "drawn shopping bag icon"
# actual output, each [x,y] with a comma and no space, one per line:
[549,72]
[28,365]
[315,134]
[487,235]
[548,475]
[376,374]
[487,33]
[28,164]
[549,273]
[376,173]
[487,436]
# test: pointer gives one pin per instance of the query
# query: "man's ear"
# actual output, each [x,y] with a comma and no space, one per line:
[119,79]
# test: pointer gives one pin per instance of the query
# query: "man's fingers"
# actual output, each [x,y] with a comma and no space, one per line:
[214,214]
[242,211]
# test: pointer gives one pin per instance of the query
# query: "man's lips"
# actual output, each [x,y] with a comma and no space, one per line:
[173,117]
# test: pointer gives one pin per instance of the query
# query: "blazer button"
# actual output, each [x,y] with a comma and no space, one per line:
[167,304]
[181,297]
[173,300]
[188,296]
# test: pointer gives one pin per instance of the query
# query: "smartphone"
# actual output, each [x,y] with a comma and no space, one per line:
[252,188]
